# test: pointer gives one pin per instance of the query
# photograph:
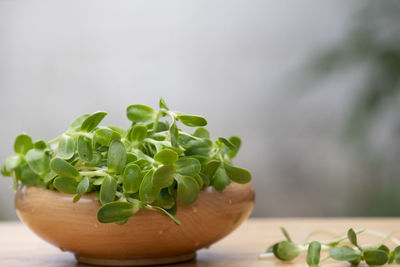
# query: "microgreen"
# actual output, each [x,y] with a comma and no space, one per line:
[63,168]
[337,249]
[38,160]
[23,143]
[108,189]
[92,121]
[66,147]
[137,133]
[132,178]
[314,253]
[66,185]
[164,176]
[85,148]
[152,165]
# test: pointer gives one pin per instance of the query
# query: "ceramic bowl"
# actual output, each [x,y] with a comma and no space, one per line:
[148,237]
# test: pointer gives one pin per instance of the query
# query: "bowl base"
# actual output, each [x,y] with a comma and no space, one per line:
[136,262]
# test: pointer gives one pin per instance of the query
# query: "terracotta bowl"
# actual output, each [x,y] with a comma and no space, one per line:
[147,238]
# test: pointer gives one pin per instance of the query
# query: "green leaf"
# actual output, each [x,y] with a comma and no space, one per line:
[226,142]
[165,200]
[130,157]
[140,113]
[202,159]
[92,121]
[76,198]
[161,127]
[65,184]
[143,163]
[105,136]
[351,235]
[203,150]
[63,168]
[85,151]
[188,189]
[132,178]
[116,158]
[375,257]
[23,143]
[384,248]
[98,181]
[116,211]
[206,180]
[77,123]
[344,253]
[192,120]
[12,162]
[188,166]
[122,132]
[162,104]
[83,186]
[286,234]
[166,156]
[220,179]
[199,181]
[286,250]
[108,189]
[314,253]
[66,147]
[173,134]
[38,160]
[4,171]
[173,210]
[96,159]
[48,177]
[238,175]
[237,143]
[28,176]
[41,145]
[137,133]
[201,133]
[147,192]
[163,176]
[356,261]
[397,254]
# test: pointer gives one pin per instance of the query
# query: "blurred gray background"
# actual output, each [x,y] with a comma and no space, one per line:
[252,68]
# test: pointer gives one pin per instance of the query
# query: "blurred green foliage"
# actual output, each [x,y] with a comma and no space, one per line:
[371,48]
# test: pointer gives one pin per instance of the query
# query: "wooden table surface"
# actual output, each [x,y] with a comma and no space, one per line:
[20,247]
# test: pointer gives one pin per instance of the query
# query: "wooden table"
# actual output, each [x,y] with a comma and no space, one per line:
[20,247]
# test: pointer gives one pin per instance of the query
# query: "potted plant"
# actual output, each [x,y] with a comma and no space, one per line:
[101,192]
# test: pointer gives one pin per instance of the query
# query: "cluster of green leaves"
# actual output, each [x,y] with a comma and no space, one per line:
[151,165]
[345,248]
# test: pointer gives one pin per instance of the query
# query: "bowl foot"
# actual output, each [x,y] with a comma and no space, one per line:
[136,262]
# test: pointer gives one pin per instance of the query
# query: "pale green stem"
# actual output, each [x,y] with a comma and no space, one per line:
[319,232]
[344,237]
[266,255]
[384,236]
[86,168]
[325,258]
[55,140]
[88,135]
[93,173]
